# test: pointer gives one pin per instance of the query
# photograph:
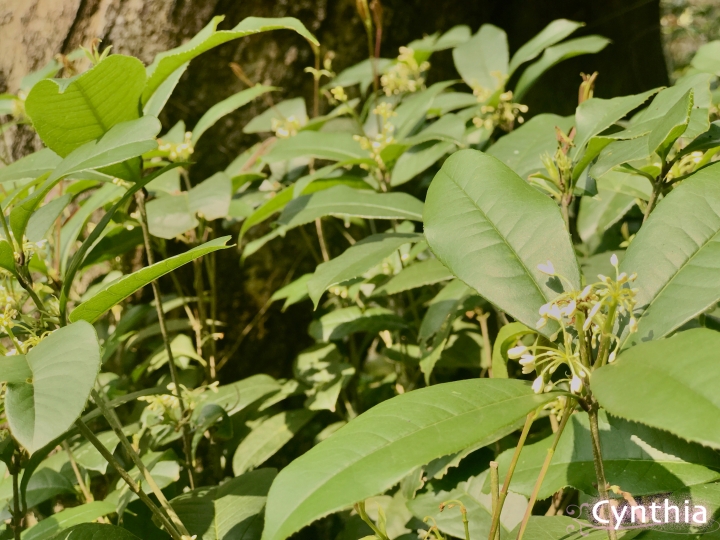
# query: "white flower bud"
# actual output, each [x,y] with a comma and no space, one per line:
[547,268]
[555,313]
[538,384]
[527,359]
[576,384]
[611,358]
[614,260]
[517,352]
[633,325]
[585,292]
[569,310]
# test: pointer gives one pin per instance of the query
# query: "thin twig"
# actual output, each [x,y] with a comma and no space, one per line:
[321,240]
[78,476]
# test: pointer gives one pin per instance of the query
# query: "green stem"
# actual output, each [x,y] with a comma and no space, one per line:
[582,338]
[494,490]
[657,186]
[17,520]
[605,339]
[567,411]
[598,461]
[360,509]
[132,484]
[114,421]
[163,330]
[495,526]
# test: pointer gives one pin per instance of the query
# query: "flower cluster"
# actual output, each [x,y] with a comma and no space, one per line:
[178,151]
[378,143]
[338,93]
[167,406]
[406,75]
[504,114]
[285,127]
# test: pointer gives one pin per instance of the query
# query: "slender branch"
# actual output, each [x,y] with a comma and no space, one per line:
[494,490]
[567,411]
[657,186]
[482,318]
[140,197]
[495,526]
[598,461]
[18,517]
[316,82]
[321,240]
[360,509]
[78,475]
[114,421]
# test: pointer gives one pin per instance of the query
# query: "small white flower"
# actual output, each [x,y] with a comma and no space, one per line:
[517,352]
[576,384]
[614,260]
[611,358]
[544,309]
[555,313]
[569,310]
[538,384]
[633,325]
[527,359]
[633,276]
[622,278]
[547,268]
[585,292]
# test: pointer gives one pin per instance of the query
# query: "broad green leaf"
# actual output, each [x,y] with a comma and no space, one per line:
[32,166]
[628,183]
[412,110]
[225,107]
[523,148]
[93,308]
[90,458]
[619,152]
[482,61]
[44,485]
[22,211]
[452,101]
[45,216]
[68,113]
[553,33]
[95,531]
[231,511]
[170,216]
[338,146]
[669,384]
[567,528]
[706,141]
[289,109]
[119,143]
[322,370]
[293,292]
[116,242]
[418,274]
[639,459]
[442,307]
[707,58]
[341,201]
[156,103]
[15,369]
[597,214]
[595,115]
[40,410]
[478,506]
[361,73]
[7,256]
[211,198]
[383,445]
[340,323]
[492,230]
[267,438]
[418,160]
[554,55]
[68,517]
[236,396]
[165,63]
[506,339]
[457,35]
[676,255]
[671,126]
[356,260]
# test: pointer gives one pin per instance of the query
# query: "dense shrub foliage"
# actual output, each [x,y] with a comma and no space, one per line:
[521,319]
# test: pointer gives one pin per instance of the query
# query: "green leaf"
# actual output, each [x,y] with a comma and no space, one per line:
[568,528]
[619,152]
[231,511]
[383,445]
[671,126]
[36,164]
[44,217]
[413,109]
[40,410]
[322,370]
[668,384]
[417,160]
[95,531]
[7,256]
[676,255]
[597,214]
[492,230]
[356,260]
[628,183]
[211,197]
[595,115]
[361,73]
[93,308]
[267,438]
[68,113]
[293,292]
[340,323]
[478,506]
[506,339]
[553,33]
[90,458]
[15,369]
[442,307]
[165,63]
[554,55]
[341,201]
[239,395]
[707,58]
[418,274]
[706,141]
[44,485]
[156,103]
[482,61]
[116,242]
[522,148]
[335,146]
[639,459]
[226,106]
[68,517]
[170,216]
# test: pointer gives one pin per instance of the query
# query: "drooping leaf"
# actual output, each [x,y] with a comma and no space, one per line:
[165,63]
[341,201]
[492,230]
[93,308]
[231,511]
[170,216]
[671,126]
[31,166]
[342,322]
[416,275]
[619,152]
[156,103]
[338,146]
[556,54]
[597,214]
[380,447]
[482,61]
[50,526]
[45,216]
[293,292]
[40,409]
[639,459]
[638,384]
[68,113]
[225,107]
[211,198]
[356,260]
[267,438]
[522,148]
[553,33]
[675,255]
